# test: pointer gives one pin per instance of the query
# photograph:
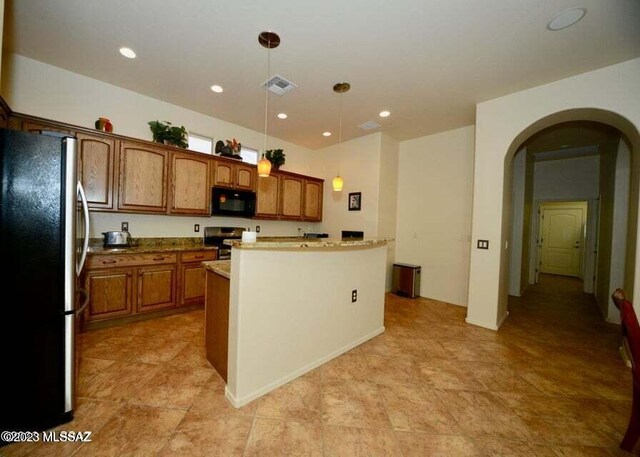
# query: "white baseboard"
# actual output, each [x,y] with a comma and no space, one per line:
[239,402]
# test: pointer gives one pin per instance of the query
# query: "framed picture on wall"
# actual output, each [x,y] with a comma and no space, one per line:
[355,199]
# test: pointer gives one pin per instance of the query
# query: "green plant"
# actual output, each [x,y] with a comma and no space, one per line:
[164,132]
[275,156]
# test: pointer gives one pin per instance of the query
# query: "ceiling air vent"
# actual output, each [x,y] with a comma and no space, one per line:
[278,85]
[369,125]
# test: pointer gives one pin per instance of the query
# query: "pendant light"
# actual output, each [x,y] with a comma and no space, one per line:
[269,40]
[339,88]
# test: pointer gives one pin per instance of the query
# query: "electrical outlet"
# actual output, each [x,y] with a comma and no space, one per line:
[196,227]
[124,226]
[354,295]
[257,229]
[483,244]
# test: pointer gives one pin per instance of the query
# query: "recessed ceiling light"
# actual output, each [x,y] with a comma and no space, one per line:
[282,116]
[385,113]
[566,18]
[326,134]
[217,89]
[564,146]
[128,53]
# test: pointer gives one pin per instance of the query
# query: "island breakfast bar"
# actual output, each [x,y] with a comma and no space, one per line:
[292,306]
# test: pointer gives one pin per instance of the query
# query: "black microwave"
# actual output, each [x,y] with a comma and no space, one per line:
[231,202]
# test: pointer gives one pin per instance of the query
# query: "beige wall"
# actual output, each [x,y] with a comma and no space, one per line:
[434,211]
[501,126]
[358,162]
[388,197]
[35,88]
[1,33]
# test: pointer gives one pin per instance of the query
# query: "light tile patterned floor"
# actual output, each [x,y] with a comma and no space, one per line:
[549,383]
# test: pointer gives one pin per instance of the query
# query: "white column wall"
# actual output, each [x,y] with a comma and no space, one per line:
[501,125]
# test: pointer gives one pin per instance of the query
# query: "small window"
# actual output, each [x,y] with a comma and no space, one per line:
[249,155]
[200,143]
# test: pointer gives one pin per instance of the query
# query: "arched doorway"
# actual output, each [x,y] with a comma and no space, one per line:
[569,205]
[610,95]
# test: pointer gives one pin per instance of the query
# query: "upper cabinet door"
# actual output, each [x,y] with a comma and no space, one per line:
[38,127]
[313,200]
[222,174]
[267,197]
[96,156]
[245,177]
[190,189]
[291,205]
[143,178]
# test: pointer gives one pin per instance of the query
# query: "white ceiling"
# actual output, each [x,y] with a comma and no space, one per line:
[427,61]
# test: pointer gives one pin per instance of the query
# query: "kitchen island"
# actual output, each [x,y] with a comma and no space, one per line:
[293,305]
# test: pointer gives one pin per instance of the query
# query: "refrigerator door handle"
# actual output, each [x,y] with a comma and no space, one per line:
[85,243]
[85,302]
[69,363]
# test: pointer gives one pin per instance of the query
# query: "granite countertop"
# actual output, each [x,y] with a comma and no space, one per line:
[144,245]
[307,243]
[221,267]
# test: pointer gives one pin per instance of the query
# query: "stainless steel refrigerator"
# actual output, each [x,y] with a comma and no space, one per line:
[44,233]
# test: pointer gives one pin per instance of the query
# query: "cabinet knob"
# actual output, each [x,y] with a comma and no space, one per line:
[199,256]
[158,258]
[108,261]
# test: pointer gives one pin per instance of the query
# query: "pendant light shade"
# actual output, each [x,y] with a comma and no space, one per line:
[337,184]
[264,167]
[268,40]
[339,88]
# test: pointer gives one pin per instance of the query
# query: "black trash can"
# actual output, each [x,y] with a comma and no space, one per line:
[406,280]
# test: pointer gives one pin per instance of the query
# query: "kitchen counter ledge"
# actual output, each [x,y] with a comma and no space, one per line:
[308,244]
[221,267]
[149,245]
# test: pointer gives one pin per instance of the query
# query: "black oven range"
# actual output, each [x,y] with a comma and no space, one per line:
[215,236]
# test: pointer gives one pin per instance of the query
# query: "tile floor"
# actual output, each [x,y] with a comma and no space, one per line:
[549,383]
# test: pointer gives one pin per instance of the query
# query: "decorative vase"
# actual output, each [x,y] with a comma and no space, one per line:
[275,167]
[104,124]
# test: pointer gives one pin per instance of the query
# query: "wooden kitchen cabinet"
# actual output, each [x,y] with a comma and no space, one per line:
[233,175]
[313,194]
[268,197]
[216,326]
[190,188]
[35,126]
[192,276]
[142,178]
[291,197]
[96,163]
[124,285]
[156,288]
[110,293]
[5,114]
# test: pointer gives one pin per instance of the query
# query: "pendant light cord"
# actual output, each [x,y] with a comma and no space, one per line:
[266,99]
[340,129]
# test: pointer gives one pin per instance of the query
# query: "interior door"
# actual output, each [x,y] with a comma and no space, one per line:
[562,239]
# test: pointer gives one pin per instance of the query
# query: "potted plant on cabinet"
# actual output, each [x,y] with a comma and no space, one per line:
[164,132]
[276,157]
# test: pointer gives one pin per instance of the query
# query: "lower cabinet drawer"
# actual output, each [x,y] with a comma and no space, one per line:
[129,260]
[198,256]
